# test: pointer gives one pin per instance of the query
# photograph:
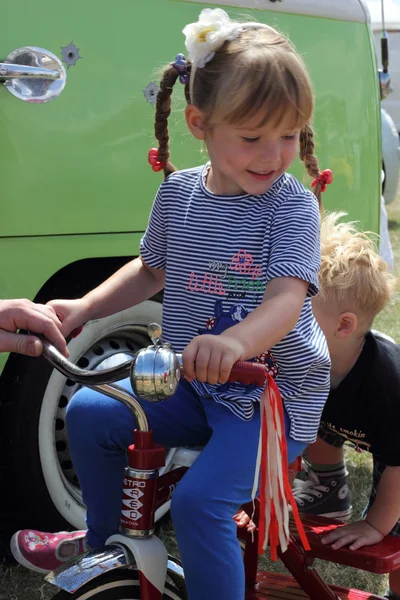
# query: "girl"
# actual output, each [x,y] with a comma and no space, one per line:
[235,245]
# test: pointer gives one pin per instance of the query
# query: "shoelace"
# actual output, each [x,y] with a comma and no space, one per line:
[309,489]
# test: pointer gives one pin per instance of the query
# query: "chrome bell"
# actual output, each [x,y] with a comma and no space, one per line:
[156,370]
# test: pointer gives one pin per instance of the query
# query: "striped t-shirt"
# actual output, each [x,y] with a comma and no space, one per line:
[219,252]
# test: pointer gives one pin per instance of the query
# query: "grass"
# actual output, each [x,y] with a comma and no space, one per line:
[17,583]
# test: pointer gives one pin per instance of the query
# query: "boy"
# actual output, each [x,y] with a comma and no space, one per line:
[363,406]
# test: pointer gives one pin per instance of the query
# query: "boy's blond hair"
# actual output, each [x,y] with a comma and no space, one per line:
[352,273]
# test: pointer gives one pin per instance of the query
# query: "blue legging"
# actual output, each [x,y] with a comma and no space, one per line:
[210,493]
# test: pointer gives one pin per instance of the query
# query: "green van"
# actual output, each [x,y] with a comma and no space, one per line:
[76,189]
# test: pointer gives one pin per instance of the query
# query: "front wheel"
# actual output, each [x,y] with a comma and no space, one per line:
[118,585]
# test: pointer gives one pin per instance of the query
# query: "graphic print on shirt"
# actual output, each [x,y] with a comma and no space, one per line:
[354,436]
[238,279]
[223,320]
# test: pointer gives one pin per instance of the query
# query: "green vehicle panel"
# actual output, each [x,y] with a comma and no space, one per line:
[79,164]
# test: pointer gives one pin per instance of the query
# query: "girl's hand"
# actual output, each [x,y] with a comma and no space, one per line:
[210,358]
[72,313]
[242,519]
[355,535]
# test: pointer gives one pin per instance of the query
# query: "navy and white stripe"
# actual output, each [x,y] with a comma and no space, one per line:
[219,252]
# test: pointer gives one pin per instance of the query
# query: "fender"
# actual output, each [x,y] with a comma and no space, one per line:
[78,571]
[147,555]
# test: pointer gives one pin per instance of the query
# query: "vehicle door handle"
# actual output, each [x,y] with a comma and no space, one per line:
[14,71]
[33,74]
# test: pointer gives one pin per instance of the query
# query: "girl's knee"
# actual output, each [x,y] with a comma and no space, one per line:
[89,411]
[81,407]
[185,503]
[191,504]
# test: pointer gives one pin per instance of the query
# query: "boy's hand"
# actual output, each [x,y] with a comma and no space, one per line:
[72,313]
[355,535]
[210,358]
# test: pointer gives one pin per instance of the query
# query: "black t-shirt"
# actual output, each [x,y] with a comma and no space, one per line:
[365,407]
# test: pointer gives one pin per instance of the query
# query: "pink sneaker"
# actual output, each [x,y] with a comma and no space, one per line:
[40,551]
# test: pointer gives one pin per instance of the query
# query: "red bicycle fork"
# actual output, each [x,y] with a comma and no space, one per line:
[139,497]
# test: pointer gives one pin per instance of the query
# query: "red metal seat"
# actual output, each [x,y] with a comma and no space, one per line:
[306,582]
[379,558]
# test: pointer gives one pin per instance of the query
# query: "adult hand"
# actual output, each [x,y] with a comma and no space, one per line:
[355,536]
[23,314]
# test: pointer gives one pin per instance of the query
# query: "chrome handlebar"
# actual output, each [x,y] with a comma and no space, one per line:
[100,381]
[154,374]
[83,376]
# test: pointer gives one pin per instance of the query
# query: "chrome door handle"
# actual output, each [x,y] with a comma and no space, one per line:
[14,71]
[33,74]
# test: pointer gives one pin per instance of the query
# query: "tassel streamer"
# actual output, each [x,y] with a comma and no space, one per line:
[272,470]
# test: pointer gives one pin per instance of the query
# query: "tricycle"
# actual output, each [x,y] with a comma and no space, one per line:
[135,563]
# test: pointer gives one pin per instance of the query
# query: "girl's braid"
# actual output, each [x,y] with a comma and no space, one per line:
[163,110]
[309,160]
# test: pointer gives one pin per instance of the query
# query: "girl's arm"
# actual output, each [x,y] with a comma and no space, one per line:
[270,322]
[210,357]
[293,259]
[133,283]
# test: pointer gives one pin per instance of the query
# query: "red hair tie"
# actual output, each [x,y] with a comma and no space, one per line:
[156,165]
[323,180]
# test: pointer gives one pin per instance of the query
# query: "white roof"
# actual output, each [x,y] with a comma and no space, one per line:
[389,26]
[343,10]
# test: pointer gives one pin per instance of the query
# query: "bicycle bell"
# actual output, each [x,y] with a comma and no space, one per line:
[155,370]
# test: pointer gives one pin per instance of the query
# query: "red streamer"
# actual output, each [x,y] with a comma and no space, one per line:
[274,506]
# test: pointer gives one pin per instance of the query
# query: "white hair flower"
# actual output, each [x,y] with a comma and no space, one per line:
[211,31]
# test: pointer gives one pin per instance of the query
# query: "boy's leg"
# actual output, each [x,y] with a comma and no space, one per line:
[100,430]
[206,499]
[323,454]
[326,490]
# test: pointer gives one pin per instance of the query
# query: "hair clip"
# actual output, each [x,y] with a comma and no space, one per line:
[324,179]
[156,165]
[181,65]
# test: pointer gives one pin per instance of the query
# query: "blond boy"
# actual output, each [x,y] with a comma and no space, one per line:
[363,406]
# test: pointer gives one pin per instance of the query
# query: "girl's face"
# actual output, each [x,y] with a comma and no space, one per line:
[249,158]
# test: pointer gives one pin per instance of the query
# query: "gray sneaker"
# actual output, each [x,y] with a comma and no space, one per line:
[324,494]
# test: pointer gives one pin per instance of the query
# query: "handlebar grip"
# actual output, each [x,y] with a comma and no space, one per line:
[248,372]
[75,332]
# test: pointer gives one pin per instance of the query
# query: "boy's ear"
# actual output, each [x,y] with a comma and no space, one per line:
[347,324]
[195,121]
